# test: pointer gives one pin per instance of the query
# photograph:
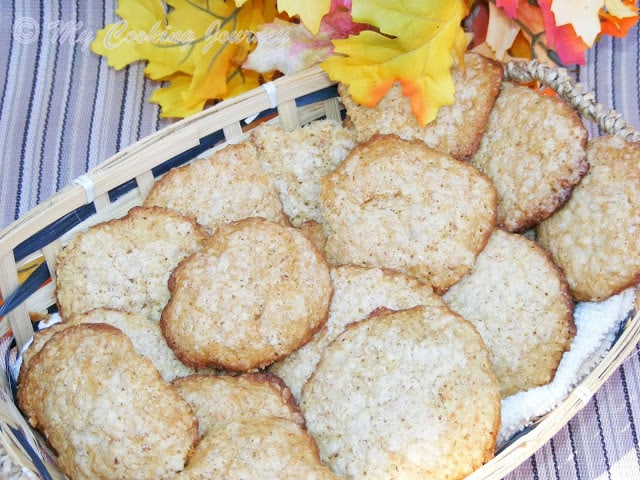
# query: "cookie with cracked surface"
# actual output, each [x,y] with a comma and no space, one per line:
[297,159]
[533,149]
[595,237]
[519,301]
[125,263]
[406,394]
[104,408]
[269,447]
[357,292]
[144,333]
[400,205]
[223,398]
[227,186]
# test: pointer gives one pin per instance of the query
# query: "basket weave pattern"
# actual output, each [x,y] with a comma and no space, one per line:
[123,181]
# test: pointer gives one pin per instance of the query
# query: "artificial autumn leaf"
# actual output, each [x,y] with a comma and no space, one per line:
[521,47]
[204,40]
[621,8]
[510,7]
[501,31]
[309,12]
[126,42]
[171,97]
[290,47]
[582,15]
[617,27]
[477,23]
[563,39]
[531,16]
[416,46]
[619,17]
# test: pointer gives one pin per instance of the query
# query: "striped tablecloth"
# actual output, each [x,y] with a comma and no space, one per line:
[63,111]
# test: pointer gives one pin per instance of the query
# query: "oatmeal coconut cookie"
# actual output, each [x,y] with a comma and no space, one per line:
[269,448]
[227,186]
[125,263]
[533,149]
[297,159]
[358,291]
[401,205]
[408,394]
[250,427]
[144,333]
[595,237]
[218,399]
[104,408]
[254,293]
[456,129]
[519,301]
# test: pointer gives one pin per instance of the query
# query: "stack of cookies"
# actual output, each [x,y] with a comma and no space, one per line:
[345,300]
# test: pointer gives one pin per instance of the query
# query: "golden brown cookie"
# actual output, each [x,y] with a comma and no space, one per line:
[38,340]
[297,159]
[409,394]
[315,233]
[595,237]
[218,399]
[533,151]
[254,293]
[144,333]
[225,187]
[519,301]
[125,263]
[358,291]
[104,408]
[457,128]
[269,448]
[401,205]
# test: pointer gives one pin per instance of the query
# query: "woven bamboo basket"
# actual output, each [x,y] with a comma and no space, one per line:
[28,247]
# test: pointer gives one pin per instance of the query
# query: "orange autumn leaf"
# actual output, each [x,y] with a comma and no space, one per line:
[617,27]
[619,17]
[416,46]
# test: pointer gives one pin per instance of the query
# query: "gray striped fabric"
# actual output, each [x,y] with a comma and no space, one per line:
[63,111]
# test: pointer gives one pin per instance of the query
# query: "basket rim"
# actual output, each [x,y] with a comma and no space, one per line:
[289,88]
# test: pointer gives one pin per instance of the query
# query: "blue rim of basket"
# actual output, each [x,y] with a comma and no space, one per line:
[62,225]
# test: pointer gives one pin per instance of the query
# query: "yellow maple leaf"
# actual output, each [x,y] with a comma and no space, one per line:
[195,46]
[417,45]
[309,12]
[124,42]
[171,97]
